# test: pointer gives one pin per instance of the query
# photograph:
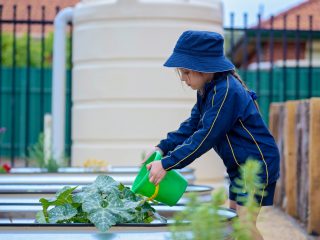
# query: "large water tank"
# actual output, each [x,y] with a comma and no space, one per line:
[124,100]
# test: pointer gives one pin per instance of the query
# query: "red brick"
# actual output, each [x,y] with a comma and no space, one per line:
[36,12]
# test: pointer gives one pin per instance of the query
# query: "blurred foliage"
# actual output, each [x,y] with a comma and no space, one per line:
[21,51]
[37,157]
[249,187]
[202,221]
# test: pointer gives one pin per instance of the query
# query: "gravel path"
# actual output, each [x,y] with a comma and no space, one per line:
[274,224]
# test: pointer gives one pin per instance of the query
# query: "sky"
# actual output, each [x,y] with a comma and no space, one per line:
[253,7]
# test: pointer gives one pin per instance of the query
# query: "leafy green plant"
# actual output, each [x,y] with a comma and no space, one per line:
[104,203]
[37,156]
[35,50]
[205,221]
[250,184]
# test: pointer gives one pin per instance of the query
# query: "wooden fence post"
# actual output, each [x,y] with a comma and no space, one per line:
[276,122]
[274,119]
[314,167]
[295,126]
[302,141]
[290,157]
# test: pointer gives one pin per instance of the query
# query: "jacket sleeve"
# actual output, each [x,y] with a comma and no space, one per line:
[216,122]
[186,129]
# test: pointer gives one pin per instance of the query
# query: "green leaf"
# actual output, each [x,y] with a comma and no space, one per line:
[52,165]
[106,184]
[103,185]
[45,205]
[64,195]
[121,187]
[128,194]
[109,211]
[63,212]
[45,202]
[86,192]
[92,203]
[36,152]
[40,217]
[81,217]
[103,219]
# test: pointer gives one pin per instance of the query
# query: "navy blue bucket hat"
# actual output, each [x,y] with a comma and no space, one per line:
[200,51]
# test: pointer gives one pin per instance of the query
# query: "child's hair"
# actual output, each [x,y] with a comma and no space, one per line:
[237,76]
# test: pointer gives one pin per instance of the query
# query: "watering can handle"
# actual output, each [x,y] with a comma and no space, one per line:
[155,194]
[158,156]
[156,190]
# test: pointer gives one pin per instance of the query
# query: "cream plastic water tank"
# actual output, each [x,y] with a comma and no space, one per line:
[124,100]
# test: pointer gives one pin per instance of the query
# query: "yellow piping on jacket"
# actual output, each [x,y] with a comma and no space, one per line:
[265,163]
[234,157]
[224,99]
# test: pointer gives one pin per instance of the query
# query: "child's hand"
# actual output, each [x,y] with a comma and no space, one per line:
[157,172]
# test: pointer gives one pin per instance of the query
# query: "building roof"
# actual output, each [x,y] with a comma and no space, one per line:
[304,10]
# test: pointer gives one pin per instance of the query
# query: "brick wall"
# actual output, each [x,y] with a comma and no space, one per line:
[36,12]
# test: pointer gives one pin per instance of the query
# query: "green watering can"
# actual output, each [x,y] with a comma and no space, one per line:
[169,190]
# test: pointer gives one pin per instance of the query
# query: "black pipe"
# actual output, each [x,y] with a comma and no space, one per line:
[1,7]
[258,56]
[70,98]
[297,55]
[245,46]
[28,87]
[42,79]
[232,36]
[284,53]
[13,88]
[271,49]
[310,68]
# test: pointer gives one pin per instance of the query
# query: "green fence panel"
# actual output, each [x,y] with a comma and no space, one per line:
[277,91]
[34,108]
[35,116]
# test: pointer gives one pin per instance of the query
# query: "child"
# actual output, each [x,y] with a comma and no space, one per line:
[225,118]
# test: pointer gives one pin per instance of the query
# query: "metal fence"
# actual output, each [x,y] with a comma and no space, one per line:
[278,62]
[25,82]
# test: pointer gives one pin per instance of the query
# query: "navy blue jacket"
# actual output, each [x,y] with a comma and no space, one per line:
[226,119]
